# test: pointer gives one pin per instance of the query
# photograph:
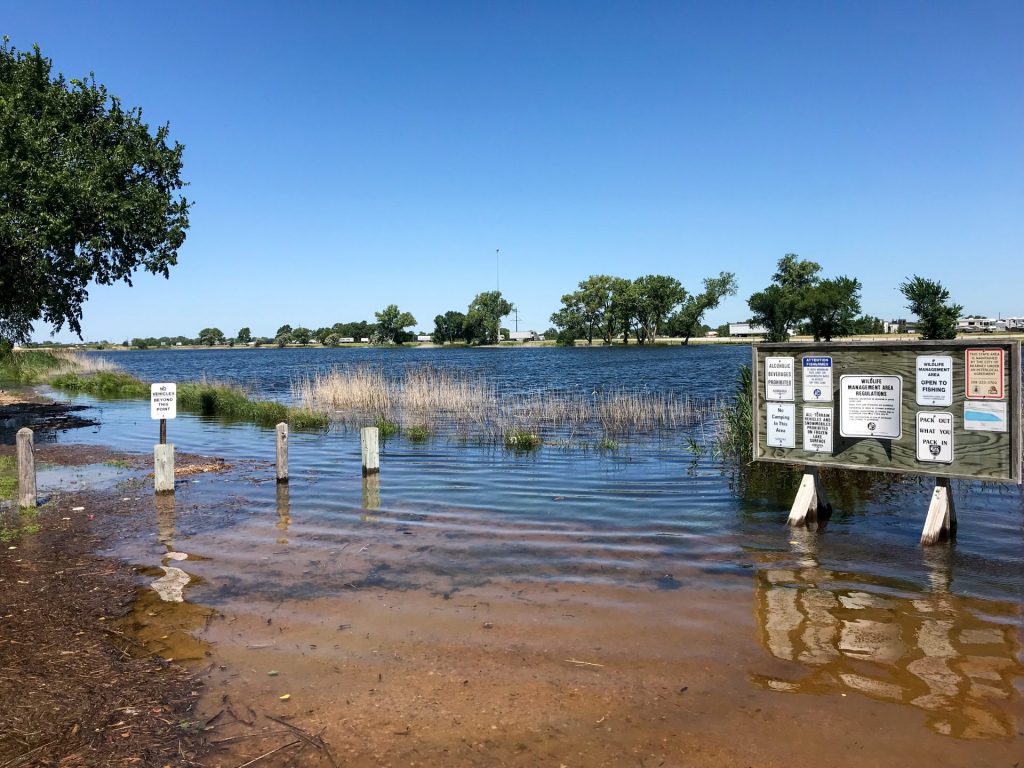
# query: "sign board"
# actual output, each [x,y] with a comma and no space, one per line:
[935,436]
[871,406]
[817,429]
[163,401]
[817,379]
[782,425]
[984,374]
[935,380]
[779,379]
[900,406]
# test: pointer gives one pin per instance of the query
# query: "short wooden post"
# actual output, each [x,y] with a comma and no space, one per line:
[26,468]
[369,440]
[811,505]
[282,452]
[163,468]
[941,521]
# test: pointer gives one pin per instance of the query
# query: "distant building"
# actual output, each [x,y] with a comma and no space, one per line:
[425,337]
[899,326]
[711,335]
[525,336]
[746,329]
[980,325]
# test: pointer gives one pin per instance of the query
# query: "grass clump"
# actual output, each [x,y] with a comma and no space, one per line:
[102,384]
[8,477]
[418,433]
[607,444]
[736,419]
[522,440]
[386,428]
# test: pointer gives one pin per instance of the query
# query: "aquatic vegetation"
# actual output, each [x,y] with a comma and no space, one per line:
[442,400]
[520,440]
[387,428]
[38,366]
[418,433]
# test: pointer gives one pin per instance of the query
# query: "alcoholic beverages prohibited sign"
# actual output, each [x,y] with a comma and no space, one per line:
[163,401]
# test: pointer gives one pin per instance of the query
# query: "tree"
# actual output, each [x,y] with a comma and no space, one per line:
[483,319]
[688,320]
[211,336]
[89,194]
[655,297]
[284,330]
[244,335]
[449,327]
[928,299]
[302,335]
[391,325]
[283,339]
[779,307]
[867,325]
[831,306]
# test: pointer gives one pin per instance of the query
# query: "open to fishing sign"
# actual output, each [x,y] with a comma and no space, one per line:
[163,401]
[934,380]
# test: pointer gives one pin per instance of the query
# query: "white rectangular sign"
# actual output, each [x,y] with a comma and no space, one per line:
[779,378]
[985,417]
[163,401]
[818,429]
[935,380]
[781,425]
[935,436]
[817,379]
[871,406]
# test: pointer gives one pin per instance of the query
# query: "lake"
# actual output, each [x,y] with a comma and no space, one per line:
[467,561]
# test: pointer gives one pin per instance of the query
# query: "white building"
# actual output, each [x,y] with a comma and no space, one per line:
[746,329]
[525,336]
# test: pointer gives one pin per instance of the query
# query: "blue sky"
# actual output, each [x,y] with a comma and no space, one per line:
[344,156]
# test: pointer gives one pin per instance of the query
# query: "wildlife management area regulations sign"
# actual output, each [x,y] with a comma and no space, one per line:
[943,408]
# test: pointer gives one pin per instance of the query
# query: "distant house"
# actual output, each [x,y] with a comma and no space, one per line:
[426,338]
[746,329]
[525,336]
[899,326]
[365,340]
[347,340]
[711,335]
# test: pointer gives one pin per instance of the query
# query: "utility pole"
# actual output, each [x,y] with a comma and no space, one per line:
[497,270]
[517,319]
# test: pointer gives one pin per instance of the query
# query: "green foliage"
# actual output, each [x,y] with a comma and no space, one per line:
[302,335]
[8,477]
[27,366]
[831,306]
[89,194]
[111,384]
[386,428]
[655,297]
[418,433]
[283,339]
[211,336]
[687,321]
[449,327]
[522,440]
[483,319]
[780,306]
[607,445]
[391,325]
[736,426]
[244,335]
[928,299]
[866,325]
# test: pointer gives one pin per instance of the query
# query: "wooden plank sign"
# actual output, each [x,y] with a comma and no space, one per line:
[941,408]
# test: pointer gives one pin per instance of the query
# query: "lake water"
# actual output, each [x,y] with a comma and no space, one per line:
[676,561]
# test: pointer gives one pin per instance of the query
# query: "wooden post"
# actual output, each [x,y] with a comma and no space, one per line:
[941,521]
[811,505]
[26,469]
[369,440]
[163,431]
[163,468]
[282,452]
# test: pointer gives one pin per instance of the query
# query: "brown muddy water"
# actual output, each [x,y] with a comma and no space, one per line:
[572,607]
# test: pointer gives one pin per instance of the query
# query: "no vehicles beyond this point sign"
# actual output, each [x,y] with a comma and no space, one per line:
[163,401]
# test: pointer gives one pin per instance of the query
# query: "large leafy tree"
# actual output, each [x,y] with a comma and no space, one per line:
[780,306]
[688,319]
[929,300]
[483,320]
[90,194]
[449,327]
[244,335]
[655,297]
[211,336]
[831,307]
[391,325]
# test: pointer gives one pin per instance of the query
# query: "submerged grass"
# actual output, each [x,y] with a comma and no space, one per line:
[436,400]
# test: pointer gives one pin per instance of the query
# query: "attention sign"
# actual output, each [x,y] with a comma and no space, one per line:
[163,401]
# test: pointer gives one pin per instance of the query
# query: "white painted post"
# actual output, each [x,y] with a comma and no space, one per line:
[26,468]
[811,505]
[941,521]
[282,452]
[163,468]
[369,440]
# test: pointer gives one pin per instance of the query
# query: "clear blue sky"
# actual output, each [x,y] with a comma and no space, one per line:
[344,156]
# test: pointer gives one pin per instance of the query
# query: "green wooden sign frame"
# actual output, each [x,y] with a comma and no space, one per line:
[879,379]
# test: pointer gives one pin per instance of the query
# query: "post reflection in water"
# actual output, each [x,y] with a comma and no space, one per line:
[284,511]
[954,657]
[166,519]
[371,496]
[171,586]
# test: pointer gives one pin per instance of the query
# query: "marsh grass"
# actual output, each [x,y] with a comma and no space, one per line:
[472,407]
[39,366]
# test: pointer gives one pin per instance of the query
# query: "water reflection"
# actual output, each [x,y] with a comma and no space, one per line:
[171,585]
[955,658]
[371,494]
[284,510]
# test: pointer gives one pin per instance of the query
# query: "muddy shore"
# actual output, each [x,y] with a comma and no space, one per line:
[369,669]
